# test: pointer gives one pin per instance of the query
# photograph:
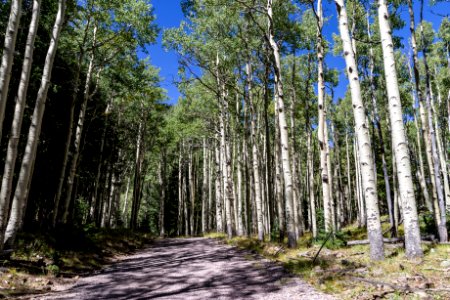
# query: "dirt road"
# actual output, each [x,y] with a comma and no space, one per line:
[194,268]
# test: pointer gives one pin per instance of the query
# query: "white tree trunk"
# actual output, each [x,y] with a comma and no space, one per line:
[364,144]
[26,169]
[17,209]
[377,122]
[284,138]
[180,192]
[210,188]
[162,191]
[219,194]
[8,56]
[406,187]
[125,204]
[78,135]
[255,157]
[321,122]
[205,207]
[312,200]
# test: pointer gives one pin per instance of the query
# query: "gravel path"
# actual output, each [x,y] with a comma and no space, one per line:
[194,268]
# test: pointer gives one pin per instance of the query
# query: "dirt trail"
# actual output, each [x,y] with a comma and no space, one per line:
[193,268]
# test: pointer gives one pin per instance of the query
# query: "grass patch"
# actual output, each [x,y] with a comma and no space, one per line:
[348,272]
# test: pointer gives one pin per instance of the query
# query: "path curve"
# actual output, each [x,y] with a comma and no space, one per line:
[188,269]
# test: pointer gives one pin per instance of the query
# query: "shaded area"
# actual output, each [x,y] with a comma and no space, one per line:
[194,268]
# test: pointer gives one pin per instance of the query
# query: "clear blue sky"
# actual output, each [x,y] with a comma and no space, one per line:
[169,14]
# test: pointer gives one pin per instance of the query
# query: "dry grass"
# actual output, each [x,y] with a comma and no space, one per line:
[348,272]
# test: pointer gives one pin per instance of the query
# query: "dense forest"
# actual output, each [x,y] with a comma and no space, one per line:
[258,144]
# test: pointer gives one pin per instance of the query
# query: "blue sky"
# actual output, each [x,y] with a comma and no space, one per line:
[169,14]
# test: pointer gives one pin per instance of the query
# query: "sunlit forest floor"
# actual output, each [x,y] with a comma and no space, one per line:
[44,262]
[348,273]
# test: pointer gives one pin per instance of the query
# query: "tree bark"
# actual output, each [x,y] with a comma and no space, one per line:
[255,156]
[377,124]
[26,169]
[312,200]
[364,144]
[440,207]
[8,56]
[284,138]
[219,195]
[78,135]
[162,193]
[17,209]
[137,185]
[205,206]
[406,187]
[322,139]
[76,84]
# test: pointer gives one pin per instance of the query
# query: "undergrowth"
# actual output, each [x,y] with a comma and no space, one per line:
[348,272]
[41,259]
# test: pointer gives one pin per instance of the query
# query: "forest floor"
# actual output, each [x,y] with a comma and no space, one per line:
[52,261]
[190,268]
[118,264]
[348,273]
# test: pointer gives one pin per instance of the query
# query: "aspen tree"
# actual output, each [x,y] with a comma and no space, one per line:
[8,56]
[17,208]
[402,159]
[27,166]
[368,173]
[284,139]
[255,156]
[322,122]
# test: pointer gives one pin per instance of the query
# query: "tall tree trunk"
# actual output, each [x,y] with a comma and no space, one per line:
[423,114]
[219,194]
[403,164]
[284,138]
[26,169]
[268,161]
[17,209]
[125,204]
[321,122]
[78,134]
[377,124]
[228,185]
[94,199]
[364,144]
[421,170]
[279,195]
[192,190]
[362,217]
[338,178]
[349,179]
[162,193]
[137,185]
[8,56]
[255,156]
[210,218]
[441,216]
[296,182]
[68,141]
[205,206]
[240,195]
[440,133]
[312,200]
[180,191]
[329,173]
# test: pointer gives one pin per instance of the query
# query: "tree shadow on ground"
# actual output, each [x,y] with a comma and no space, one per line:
[182,269]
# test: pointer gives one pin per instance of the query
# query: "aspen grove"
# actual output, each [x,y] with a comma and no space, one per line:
[295,119]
